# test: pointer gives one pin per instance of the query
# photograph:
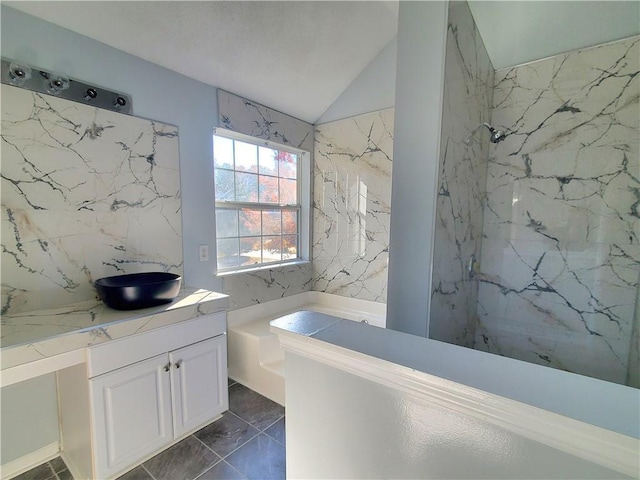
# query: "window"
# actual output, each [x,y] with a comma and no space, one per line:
[259,202]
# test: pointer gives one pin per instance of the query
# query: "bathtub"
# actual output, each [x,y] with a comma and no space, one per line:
[254,356]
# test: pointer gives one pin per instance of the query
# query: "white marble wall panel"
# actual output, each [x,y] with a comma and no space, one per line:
[461,188]
[250,118]
[352,204]
[259,286]
[561,254]
[244,116]
[86,193]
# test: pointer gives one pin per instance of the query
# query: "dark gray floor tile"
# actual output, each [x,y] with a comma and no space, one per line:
[277,431]
[222,471]
[184,461]
[252,407]
[58,464]
[64,475]
[41,472]
[137,473]
[230,382]
[226,434]
[262,458]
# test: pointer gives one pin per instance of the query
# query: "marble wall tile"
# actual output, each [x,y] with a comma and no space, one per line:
[352,203]
[561,253]
[259,286]
[86,193]
[464,148]
[244,116]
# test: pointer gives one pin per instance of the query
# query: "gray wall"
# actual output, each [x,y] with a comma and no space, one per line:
[373,89]
[29,417]
[158,94]
[422,29]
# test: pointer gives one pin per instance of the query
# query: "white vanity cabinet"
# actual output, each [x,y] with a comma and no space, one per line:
[143,393]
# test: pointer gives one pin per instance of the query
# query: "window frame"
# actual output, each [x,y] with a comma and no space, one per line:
[303,207]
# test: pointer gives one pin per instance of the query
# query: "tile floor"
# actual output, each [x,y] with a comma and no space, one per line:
[248,442]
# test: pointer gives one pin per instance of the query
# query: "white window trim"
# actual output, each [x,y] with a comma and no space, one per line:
[304,186]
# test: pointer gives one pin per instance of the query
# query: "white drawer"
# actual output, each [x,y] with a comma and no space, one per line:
[111,355]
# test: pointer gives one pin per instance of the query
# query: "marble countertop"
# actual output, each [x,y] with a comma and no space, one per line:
[39,334]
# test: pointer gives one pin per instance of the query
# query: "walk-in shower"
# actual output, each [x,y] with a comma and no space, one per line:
[546,214]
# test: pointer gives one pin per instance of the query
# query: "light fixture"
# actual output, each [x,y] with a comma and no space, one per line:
[19,74]
[56,84]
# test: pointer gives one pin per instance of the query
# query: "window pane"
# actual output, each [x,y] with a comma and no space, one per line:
[223,152]
[271,249]
[289,247]
[227,253]
[250,252]
[271,222]
[290,221]
[288,192]
[246,187]
[224,185]
[246,157]
[288,164]
[226,222]
[269,189]
[267,161]
[250,221]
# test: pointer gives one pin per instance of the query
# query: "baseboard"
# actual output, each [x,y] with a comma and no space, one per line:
[22,464]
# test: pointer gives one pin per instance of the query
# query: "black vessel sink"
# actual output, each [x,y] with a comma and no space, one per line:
[138,290]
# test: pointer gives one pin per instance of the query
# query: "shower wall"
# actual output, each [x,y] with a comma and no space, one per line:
[351,205]
[462,177]
[561,251]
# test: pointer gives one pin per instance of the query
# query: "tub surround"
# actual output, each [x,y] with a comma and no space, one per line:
[255,357]
[250,118]
[561,252]
[542,421]
[86,193]
[42,334]
[462,177]
[351,206]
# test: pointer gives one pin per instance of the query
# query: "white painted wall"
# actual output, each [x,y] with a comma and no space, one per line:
[422,28]
[373,89]
[340,425]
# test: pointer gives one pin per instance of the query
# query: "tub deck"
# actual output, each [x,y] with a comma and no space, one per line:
[255,358]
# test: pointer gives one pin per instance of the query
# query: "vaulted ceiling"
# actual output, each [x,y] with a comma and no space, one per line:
[299,56]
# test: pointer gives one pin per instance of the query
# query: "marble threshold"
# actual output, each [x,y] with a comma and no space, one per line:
[41,334]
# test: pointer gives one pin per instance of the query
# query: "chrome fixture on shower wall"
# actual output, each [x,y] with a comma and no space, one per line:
[36,79]
[496,135]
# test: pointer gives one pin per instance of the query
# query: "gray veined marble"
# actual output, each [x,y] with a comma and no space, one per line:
[352,203]
[250,118]
[561,249]
[461,184]
[86,193]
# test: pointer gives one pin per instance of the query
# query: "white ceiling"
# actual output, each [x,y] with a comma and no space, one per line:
[296,57]
[299,56]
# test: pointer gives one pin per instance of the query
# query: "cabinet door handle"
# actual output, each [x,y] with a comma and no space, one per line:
[167,367]
[177,364]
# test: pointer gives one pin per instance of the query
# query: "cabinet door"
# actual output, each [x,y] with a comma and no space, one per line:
[199,376]
[131,415]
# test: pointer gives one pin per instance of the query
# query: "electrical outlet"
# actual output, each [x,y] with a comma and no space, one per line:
[203,253]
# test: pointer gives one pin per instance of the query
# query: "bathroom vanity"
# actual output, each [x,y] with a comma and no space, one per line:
[130,383]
